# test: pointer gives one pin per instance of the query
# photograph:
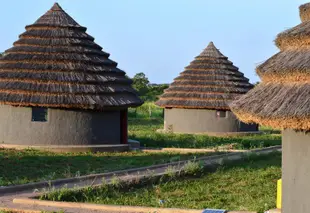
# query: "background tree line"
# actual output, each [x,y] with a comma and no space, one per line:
[147,91]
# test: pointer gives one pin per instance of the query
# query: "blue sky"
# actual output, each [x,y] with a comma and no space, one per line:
[161,37]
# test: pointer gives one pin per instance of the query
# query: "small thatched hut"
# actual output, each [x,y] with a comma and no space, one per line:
[197,100]
[57,87]
[282,100]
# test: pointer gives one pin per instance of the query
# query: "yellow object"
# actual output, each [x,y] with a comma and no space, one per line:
[279,194]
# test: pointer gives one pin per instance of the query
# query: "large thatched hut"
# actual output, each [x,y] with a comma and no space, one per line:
[58,88]
[282,100]
[197,100]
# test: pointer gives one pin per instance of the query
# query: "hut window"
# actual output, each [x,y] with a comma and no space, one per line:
[220,114]
[39,114]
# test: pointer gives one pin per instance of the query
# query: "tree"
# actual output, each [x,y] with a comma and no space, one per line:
[140,83]
[147,91]
[256,83]
[155,91]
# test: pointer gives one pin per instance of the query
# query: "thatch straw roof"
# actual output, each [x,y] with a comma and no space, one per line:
[211,81]
[282,100]
[55,63]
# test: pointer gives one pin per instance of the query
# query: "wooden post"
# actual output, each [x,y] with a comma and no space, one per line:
[295,171]
[150,111]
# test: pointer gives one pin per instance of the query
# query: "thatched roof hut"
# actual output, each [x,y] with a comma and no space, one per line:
[282,100]
[207,85]
[55,64]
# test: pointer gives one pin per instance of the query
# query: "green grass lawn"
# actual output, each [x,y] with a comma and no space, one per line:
[144,130]
[18,167]
[4,211]
[249,185]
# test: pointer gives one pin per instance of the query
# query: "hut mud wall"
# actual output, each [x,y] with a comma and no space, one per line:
[203,121]
[295,172]
[63,127]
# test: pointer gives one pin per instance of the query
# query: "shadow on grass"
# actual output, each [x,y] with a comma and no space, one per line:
[203,141]
[271,131]
[145,121]
[144,130]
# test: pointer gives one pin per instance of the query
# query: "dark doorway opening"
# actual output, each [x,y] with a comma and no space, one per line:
[124,126]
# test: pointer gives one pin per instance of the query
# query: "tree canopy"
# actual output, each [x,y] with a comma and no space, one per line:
[147,91]
[140,83]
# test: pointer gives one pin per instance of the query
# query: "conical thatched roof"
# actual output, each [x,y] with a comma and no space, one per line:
[55,63]
[282,100]
[211,81]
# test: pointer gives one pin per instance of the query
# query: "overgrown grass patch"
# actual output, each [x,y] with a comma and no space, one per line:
[249,185]
[19,167]
[144,130]
[147,110]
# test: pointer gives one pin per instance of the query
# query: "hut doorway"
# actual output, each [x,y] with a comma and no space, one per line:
[124,130]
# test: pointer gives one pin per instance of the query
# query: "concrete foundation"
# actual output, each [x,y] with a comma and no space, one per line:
[73,148]
[203,121]
[295,172]
[133,144]
[63,127]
